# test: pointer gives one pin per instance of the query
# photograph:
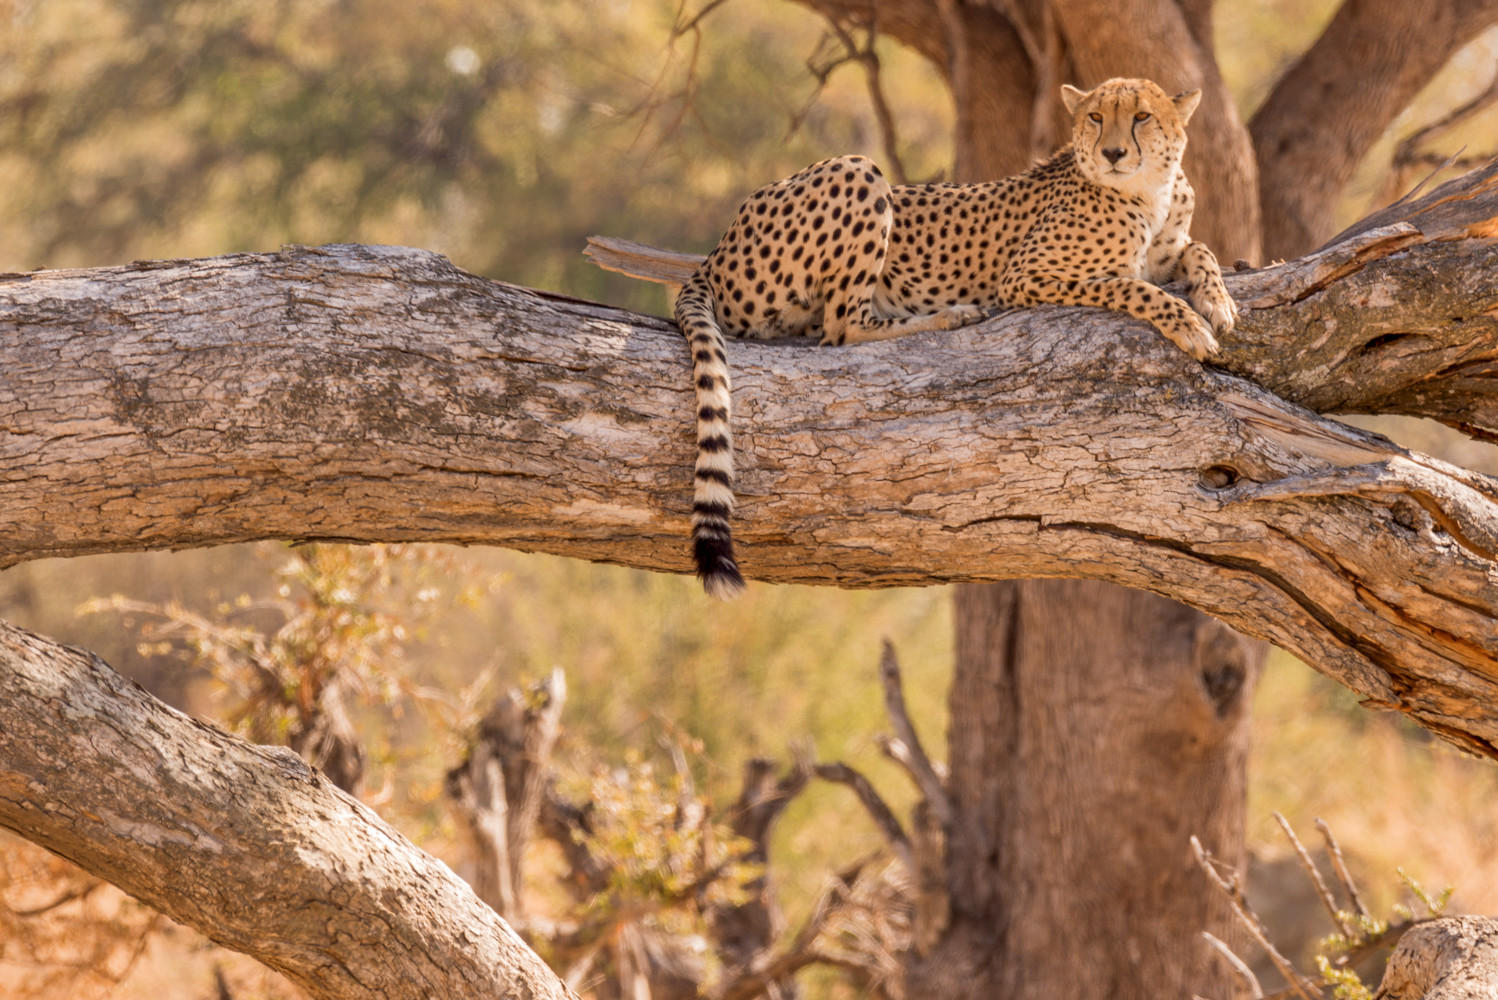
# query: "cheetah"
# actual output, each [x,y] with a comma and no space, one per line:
[837,253]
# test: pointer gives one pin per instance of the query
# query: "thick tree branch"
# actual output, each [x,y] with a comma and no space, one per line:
[1451,958]
[1329,109]
[245,843]
[381,394]
[1417,336]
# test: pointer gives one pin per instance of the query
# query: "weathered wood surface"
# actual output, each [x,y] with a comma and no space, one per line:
[247,844]
[380,393]
[1453,958]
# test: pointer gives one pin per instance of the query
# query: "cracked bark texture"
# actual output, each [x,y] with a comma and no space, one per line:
[381,394]
[247,844]
[1452,958]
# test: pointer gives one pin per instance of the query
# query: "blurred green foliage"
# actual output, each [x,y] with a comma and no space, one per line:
[501,134]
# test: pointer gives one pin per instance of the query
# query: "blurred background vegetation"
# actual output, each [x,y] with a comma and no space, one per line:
[501,134]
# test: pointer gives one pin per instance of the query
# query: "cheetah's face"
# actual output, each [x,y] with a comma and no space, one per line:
[1129,134]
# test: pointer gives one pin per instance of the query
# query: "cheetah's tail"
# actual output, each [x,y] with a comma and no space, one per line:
[712,498]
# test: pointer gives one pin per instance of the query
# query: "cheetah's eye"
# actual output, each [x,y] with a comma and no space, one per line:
[1141,116]
[1096,117]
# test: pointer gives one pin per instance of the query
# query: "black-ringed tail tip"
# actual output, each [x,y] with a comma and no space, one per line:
[718,572]
[712,548]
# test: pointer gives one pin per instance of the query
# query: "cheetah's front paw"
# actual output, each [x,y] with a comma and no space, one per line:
[1212,300]
[1191,334]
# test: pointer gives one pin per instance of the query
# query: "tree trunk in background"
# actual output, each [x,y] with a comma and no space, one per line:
[1094,730]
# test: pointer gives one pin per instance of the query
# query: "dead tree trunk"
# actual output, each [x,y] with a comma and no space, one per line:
[500,789]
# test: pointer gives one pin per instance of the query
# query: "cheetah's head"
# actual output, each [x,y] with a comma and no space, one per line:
[1129,134]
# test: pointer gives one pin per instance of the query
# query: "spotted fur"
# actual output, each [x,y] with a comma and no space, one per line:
[835,252]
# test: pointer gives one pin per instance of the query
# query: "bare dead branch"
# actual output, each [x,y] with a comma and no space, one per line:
[771,967]
[502,785]
[1251,981]
[1232,888]
[883,817]
[1462,206]
[1322,893]
[1339,865]
[1409,157]
[906,749]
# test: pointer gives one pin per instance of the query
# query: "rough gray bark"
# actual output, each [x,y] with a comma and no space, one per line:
[1453,958]
[381,394]
[245,843]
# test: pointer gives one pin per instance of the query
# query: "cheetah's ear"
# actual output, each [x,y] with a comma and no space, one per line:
[1072,98]
[1186,103]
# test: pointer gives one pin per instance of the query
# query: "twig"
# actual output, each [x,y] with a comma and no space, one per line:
[686,95]
[1405,154]
[1315,876]
[881,813]
[960,77]
[906,748]
[767,968]
[691,24]
[80,892]
[883,116]
[1234,892]
[1239,966]
[142,942]
[1339,865]
[689,809]
[1437,164]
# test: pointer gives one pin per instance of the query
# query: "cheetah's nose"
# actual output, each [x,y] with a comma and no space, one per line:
[1113,155]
